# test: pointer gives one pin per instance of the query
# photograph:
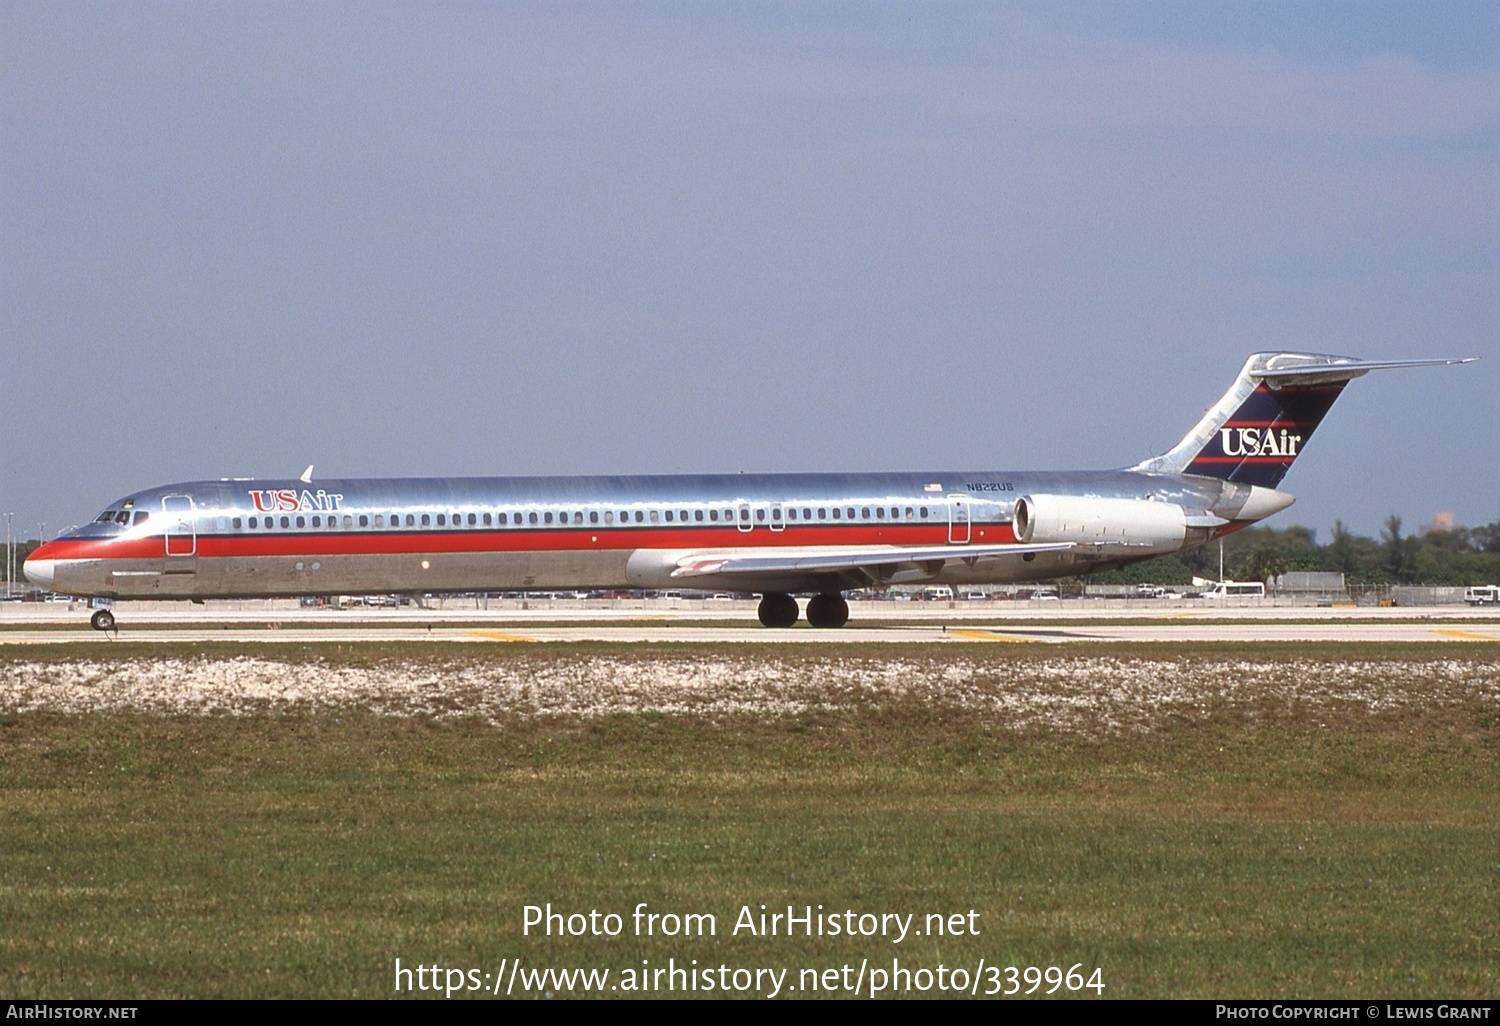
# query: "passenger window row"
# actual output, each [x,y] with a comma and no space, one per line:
[609,518]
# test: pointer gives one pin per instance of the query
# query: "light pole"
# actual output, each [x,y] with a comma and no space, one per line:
[10,559]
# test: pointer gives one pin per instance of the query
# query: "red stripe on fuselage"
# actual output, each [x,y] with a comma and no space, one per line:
[355,543]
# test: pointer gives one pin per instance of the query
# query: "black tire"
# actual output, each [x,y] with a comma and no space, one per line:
[827,610]
[102,620]
[778,609]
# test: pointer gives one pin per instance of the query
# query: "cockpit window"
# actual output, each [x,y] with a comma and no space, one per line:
[105,517]
[123,518]
[141,516]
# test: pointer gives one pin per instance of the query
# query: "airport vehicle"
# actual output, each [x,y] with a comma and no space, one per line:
[1483,595]
[1235,589]
[776,534]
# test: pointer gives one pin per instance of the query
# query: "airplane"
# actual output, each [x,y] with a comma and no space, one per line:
[775,534]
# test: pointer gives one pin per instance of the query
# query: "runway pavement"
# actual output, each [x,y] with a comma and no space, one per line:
[727,623]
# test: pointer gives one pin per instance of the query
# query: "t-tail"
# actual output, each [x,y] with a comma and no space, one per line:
[1261,425]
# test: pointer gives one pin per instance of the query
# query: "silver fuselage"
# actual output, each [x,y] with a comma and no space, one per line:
[230,538]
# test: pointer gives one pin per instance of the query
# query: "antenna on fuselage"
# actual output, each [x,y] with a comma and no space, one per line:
[306,477]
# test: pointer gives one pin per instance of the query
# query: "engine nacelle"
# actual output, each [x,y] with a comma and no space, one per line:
[1070,518]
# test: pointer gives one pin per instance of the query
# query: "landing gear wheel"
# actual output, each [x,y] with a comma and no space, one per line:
[102,620]
[828,610]
[777,609]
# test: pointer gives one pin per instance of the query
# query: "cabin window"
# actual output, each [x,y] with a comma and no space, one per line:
[669,516]
[442,521]
[879,513]
[547,518]
[791,514]
[532,517]
[473,520]
[836,513]
[655,517]
[713,515]
[593,516]
[609,516]
[639,516]
[776,512]
[426,520]
[236,522]
[698,515]
[487,521]
[269,523]
[924,512]
[364,520]
[760,515]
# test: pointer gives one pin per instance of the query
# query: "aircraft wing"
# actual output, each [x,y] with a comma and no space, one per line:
[874,559]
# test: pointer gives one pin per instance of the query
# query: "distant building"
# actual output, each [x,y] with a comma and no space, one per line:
[1442,520]
[1308,584]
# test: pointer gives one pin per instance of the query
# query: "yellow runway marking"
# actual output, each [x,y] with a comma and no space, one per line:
[985,636]
[1468,635]
[498,636]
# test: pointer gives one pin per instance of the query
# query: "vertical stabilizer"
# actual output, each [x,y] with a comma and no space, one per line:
[1254,433]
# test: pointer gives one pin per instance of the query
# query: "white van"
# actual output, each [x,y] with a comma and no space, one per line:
[1235,589]
[1483,595]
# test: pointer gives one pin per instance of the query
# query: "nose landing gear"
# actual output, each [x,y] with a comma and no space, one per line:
[102,620]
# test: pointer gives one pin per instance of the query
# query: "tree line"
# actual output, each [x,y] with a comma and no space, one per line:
[1459,556]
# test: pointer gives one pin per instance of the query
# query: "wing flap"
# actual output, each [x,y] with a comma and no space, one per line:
[800,561]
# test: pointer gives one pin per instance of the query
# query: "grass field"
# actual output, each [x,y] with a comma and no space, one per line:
[1193,821]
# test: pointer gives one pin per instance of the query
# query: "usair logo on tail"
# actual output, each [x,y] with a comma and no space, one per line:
[1258,442]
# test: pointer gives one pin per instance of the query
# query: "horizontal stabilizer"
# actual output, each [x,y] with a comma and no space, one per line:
[1345,370]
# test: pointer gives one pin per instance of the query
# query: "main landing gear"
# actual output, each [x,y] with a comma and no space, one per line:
[827,610]
[779,609]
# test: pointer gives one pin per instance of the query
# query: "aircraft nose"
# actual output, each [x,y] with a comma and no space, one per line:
[40,568]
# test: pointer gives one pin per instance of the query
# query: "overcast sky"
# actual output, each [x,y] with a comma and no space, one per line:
[485,238]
